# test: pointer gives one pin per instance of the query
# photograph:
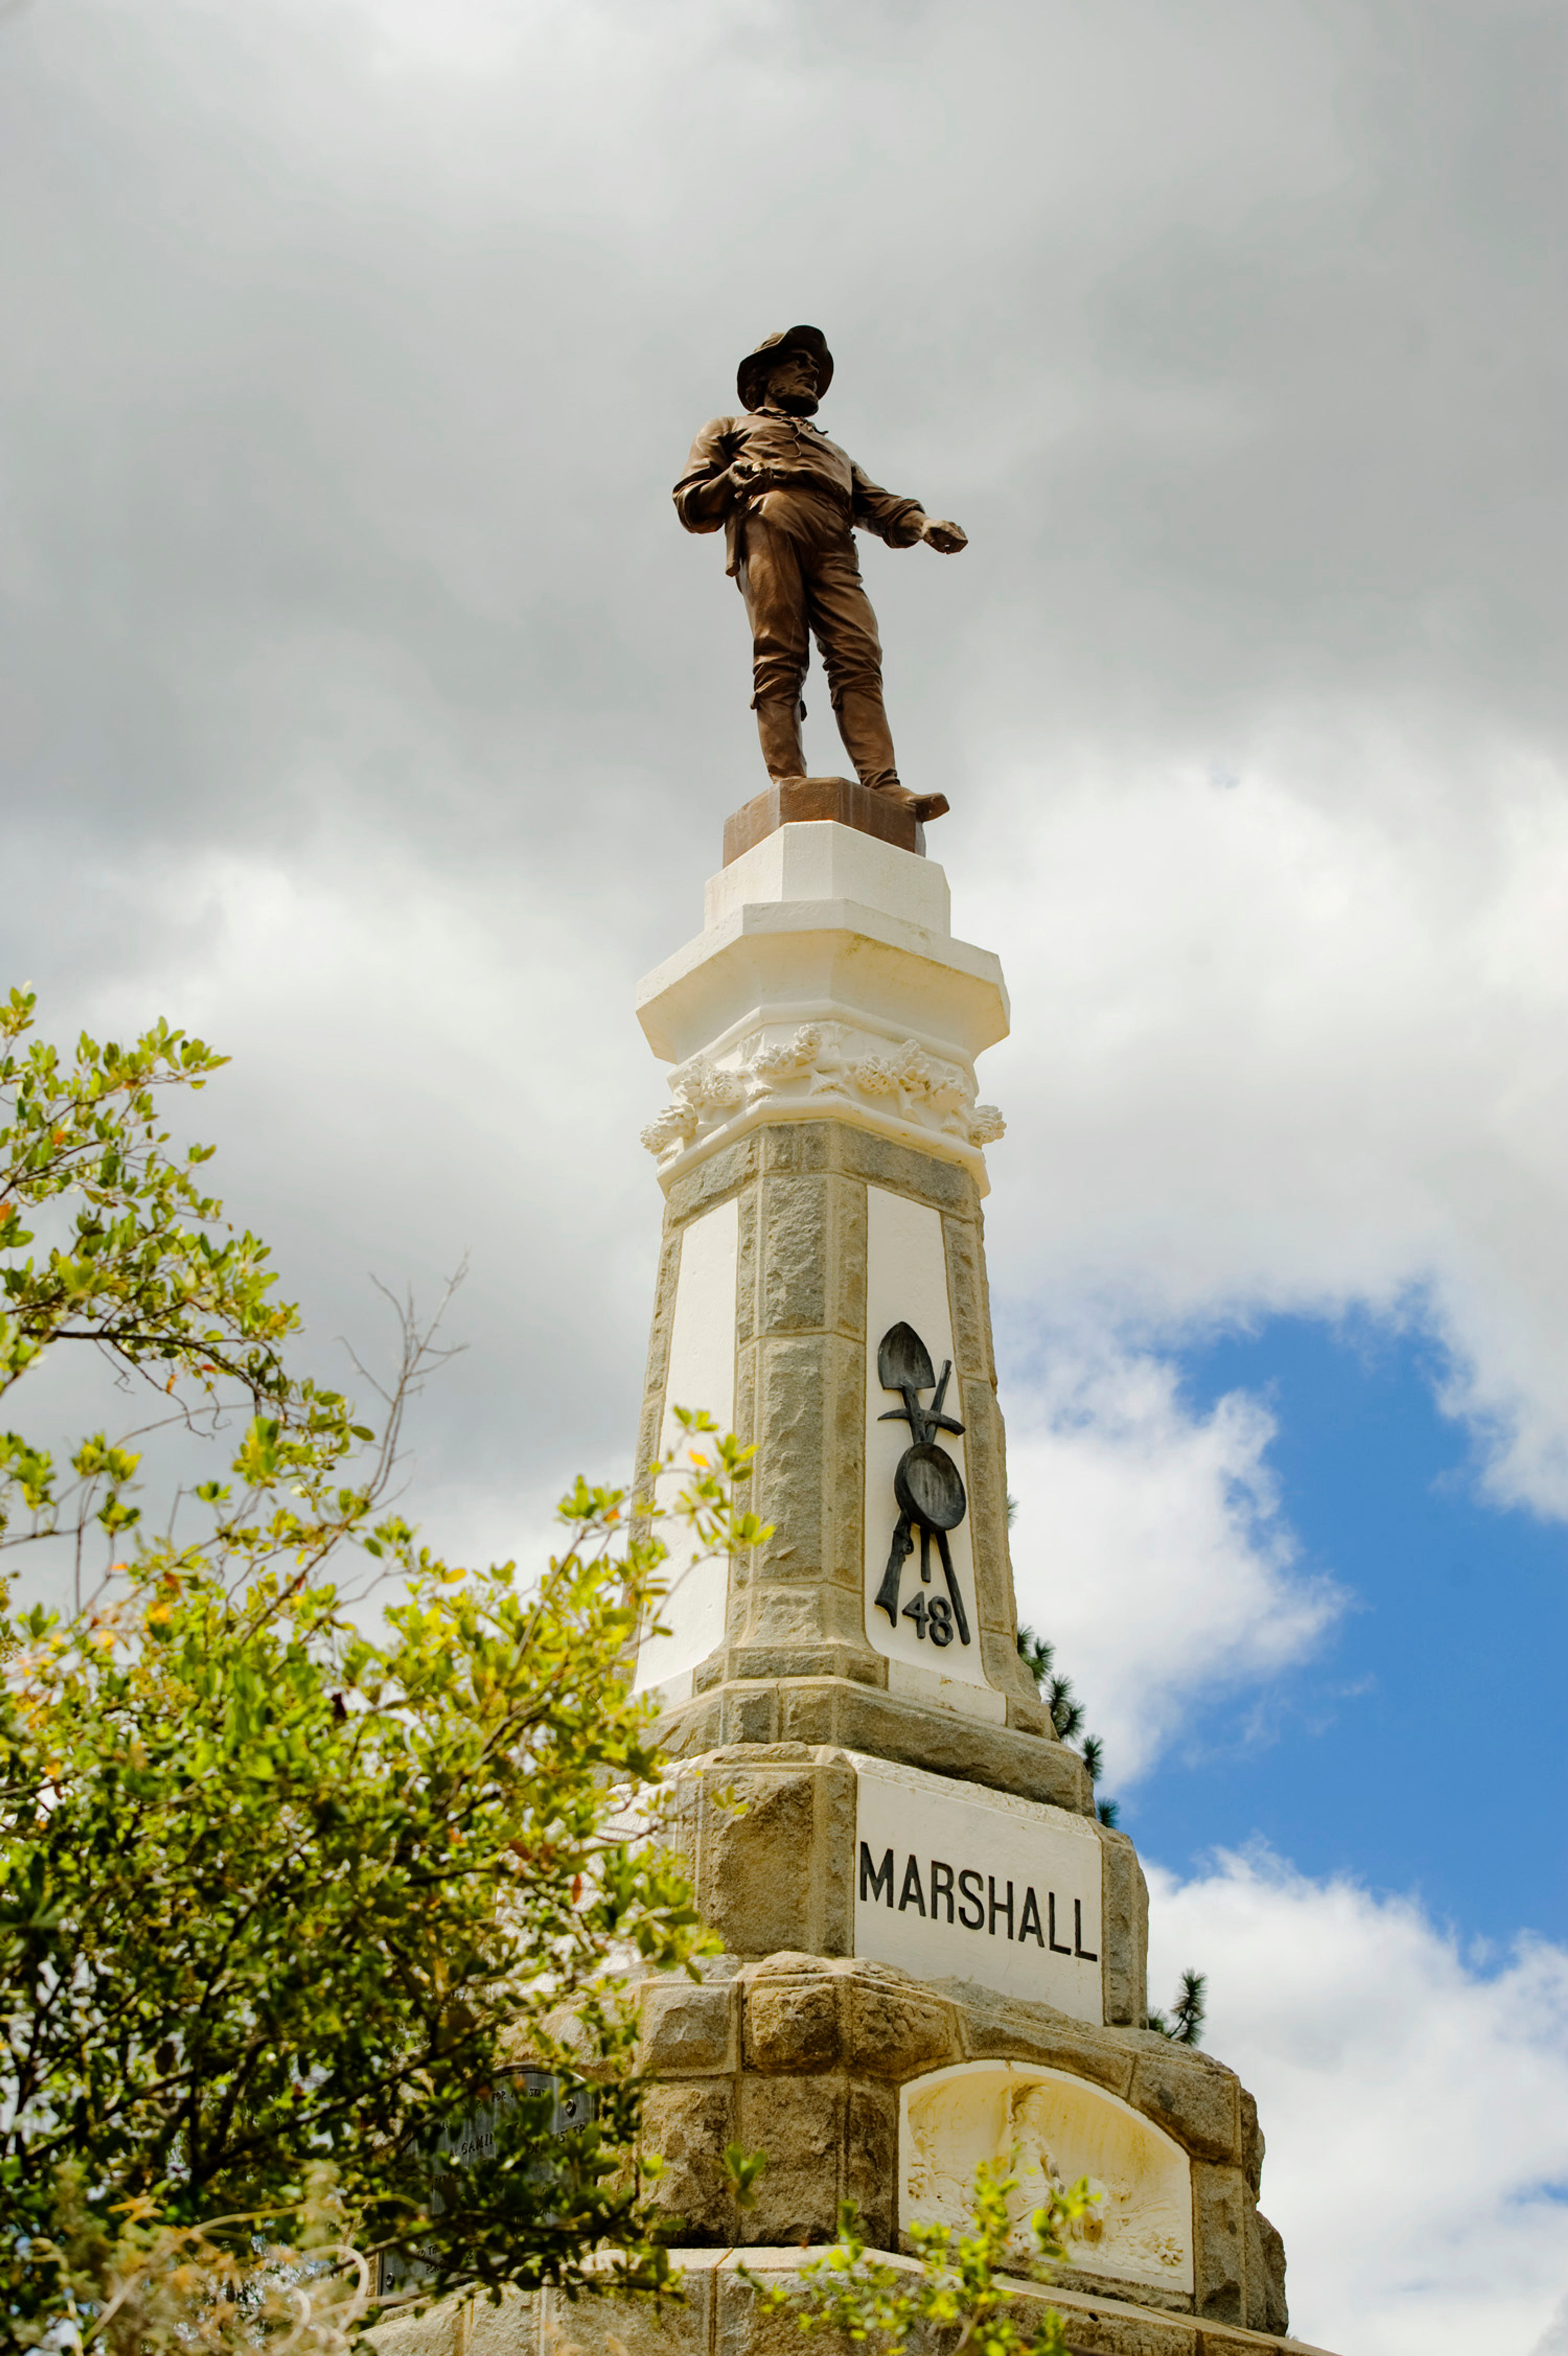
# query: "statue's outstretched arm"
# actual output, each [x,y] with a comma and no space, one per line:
[902,522]
[896,520]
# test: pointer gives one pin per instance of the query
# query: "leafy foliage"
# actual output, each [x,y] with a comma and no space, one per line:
[276,1894]
[283,1896]
[1184,2023]
[144,1270]
[957,2287]
[1067,1712]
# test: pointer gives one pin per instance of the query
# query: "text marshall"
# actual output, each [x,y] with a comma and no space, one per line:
[972,1902]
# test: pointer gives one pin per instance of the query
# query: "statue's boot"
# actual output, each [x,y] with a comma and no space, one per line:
[868,740]
[779,726]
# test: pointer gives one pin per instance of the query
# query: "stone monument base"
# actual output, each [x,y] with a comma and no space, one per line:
[795,1707]
[718,2314]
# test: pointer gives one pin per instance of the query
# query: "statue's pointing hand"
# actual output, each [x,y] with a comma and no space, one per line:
[945,537]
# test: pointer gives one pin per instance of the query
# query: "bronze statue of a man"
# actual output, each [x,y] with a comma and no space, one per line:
[789,501]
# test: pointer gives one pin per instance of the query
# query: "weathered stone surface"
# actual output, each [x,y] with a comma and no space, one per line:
[809,1468]
[1252,2144]
[871,2159]
[650,1423]
[792,2023]
[506,2329]
[1255,2303]
[747,1274]
[439,2332]
[883,1162]
[745,2325]
[1276,2313]
[1194,2097]
[755,1908]
[689,2126]
[797,1255]
[807,1711]
[1002,2028]
[1108,2329]
[807,1620]
[1123,1930]
[624,2327]
[799,2124]
[986,1455]
[812,1269]
[748,1712]
[967,1297]
[1028,1715]
[714,1181]
[702,1721]
[765,1829]
[687,2029]
[718,2314]
[794,1378]
[864,1717]
[1219,2233]
[1057,2124]
[847,1303]
[893,2029]
[836,1802]
[798,1146]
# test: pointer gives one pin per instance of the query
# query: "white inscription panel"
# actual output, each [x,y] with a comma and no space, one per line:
[951,1883]
[701,1375]
[907,1283]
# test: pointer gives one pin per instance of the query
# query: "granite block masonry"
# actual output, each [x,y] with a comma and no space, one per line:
[933,1951]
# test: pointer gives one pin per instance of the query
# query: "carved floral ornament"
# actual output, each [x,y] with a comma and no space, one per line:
[819,1060]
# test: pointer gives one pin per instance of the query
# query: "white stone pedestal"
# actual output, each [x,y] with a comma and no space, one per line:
[934,1950]
[823,1161]
[934,1953]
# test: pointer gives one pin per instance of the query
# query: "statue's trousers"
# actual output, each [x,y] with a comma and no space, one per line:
[800,581]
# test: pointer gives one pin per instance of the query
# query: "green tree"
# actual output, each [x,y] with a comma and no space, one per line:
[281,1900]
[1067,1712]
[965,2283]
[1184,2022]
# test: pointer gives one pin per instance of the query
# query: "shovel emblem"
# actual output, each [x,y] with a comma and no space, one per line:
[928,1485]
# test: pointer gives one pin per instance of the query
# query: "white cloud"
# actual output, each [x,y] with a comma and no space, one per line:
[1553,2340]
[1149,1545]
[424,1072]
[384,330]
[1293,1044]
[1415,2099]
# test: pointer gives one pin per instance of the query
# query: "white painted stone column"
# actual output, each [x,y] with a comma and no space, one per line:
[822,1157]
[934,1953]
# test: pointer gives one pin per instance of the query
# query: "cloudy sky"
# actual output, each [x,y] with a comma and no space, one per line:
[365,709]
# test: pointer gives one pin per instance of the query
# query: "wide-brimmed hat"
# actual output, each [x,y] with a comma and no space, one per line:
[751,377]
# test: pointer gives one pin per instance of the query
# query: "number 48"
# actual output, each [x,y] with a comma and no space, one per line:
[933,1617]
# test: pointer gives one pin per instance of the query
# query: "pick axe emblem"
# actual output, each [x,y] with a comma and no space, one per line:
[928,1484]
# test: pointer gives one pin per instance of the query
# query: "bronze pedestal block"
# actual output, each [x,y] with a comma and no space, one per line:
[811,800]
